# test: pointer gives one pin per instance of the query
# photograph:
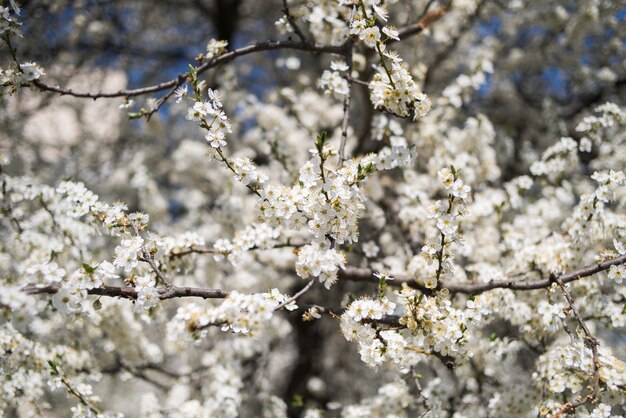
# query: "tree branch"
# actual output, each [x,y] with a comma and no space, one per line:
[297,295]
[293,24]
[345,123]
[423,23]
[209,250]
[131,293]
[182,78]
[367,275]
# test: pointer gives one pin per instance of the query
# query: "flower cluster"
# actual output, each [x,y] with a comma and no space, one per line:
[392,88]
[147,293]
[328,205]
[182,242]
[358,324]
[128,253]
[326,21]
[333,82]
[8,22]
[363,26]
[617,273]
[568,368]
[556,159]
[462,88]
[437,253]
[259,235]
[204,110]
[25,372]
[211,116]
[437,324]
[45,273]
[610,114]
[216,124]
[317,261]
[21,361]
[395,91]
[215,48]
[20,73]
[79,201]
[393,400]
[396,156]
[589,215]
[82,200]
[390,129]
[327,199]
[239,313]
[73,291]
[246,172]
[369,309]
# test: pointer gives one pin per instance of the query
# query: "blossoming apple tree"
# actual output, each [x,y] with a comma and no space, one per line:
[372,209]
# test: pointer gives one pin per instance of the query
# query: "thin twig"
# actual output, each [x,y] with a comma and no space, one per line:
[293,24]
[423,23]
[182,78]
[7,210]
[440,254]
[590,342]
[297,295]
[345,123]
[148,257]
[165,98]
[55,371]
[210,250]
[357,81]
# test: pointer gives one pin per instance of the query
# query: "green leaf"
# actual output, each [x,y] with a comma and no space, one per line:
[54,367]
[320,141]
[297,401]
[88,268]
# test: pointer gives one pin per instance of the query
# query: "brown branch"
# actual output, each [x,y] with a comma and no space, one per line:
[429,18]
[210,250]
[357,81]
[367,275]
[391,320]
[592,343]
[136,371]
[131,293]
[297,295]
[182,78]
[162,101]
[333,311]
[345,123]
[7,210]
[293,24]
